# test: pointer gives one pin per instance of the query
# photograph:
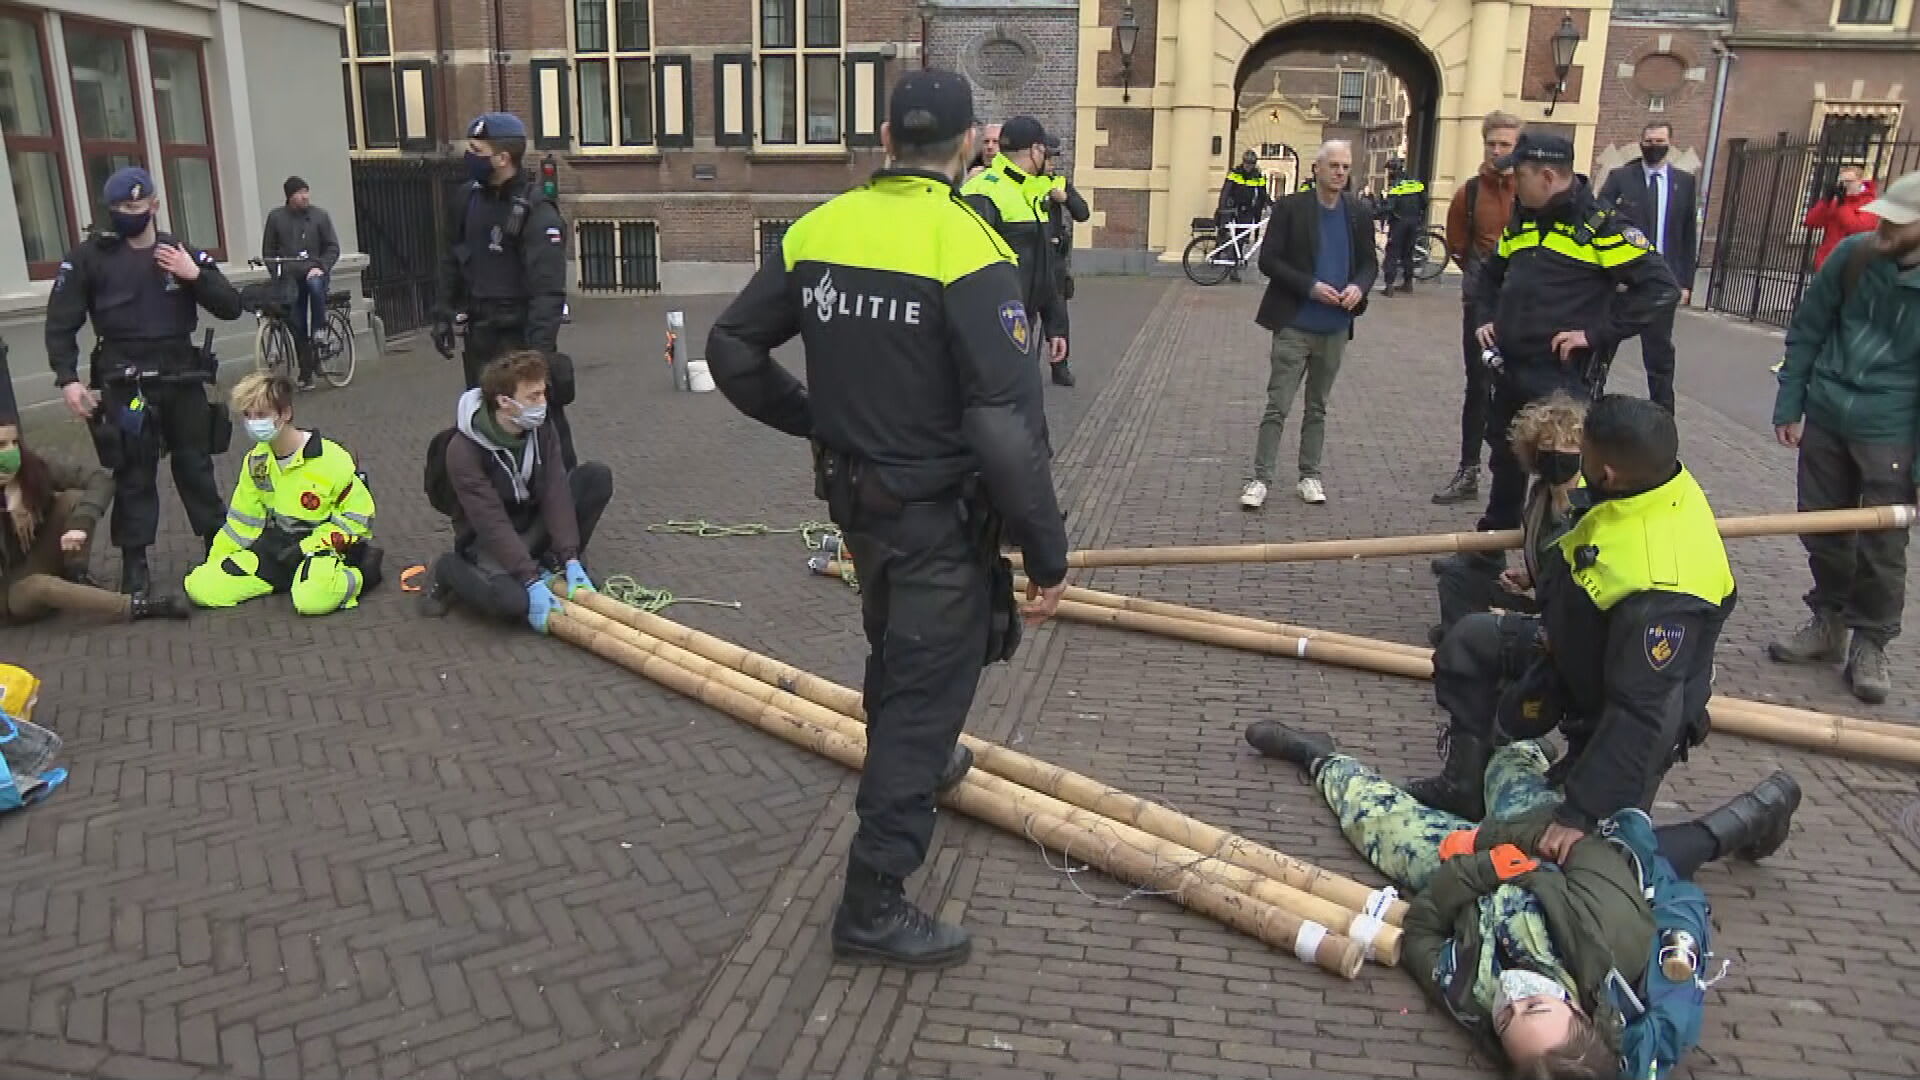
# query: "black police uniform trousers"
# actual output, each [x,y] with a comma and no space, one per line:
[182,428]
[1516,387]
[486,587]
[925,602]
[1479,398]
[1400,237]
[1657,356]
[486,343]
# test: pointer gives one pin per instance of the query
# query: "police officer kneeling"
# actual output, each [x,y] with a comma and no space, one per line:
[1632,599]
[146,395]
[925,413]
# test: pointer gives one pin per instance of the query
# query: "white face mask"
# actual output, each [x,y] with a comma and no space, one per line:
[263,430]
[1518,984]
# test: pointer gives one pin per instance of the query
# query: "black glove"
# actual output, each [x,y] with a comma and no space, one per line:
[443,337]
[1837,192]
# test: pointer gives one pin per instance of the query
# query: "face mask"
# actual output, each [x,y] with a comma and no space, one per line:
[479,167]
[130,225]
[530,416]
[9,461]
[263,430]
[1557,466]
[1518,984]
[1653,154]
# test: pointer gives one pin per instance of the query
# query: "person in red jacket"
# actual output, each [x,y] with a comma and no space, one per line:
[1839,212]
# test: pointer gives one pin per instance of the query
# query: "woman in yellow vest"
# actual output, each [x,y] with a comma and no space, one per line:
[301,518]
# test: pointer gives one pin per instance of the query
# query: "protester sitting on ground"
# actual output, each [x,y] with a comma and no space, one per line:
[51,510]
[519,515]
[1546,440]
[301,518]
[1521,954]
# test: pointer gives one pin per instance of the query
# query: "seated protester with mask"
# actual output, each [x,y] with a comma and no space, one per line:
[301,519]
[519,514]
[50,511]
[1546,440]
[1524,954]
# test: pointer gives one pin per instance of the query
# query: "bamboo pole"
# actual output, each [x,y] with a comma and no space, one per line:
[1366,657]
[1732,528]
[1312,942]
[1381,940]
[1063,784]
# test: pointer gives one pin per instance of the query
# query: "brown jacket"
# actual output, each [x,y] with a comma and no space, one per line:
[1492,206]
[89,490]
[505,491]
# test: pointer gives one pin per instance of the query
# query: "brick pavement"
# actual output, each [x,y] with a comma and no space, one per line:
[376,845]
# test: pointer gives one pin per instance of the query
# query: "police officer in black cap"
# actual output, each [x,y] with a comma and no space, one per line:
[505,274]
[146,393]
[924,409]
[1014,195]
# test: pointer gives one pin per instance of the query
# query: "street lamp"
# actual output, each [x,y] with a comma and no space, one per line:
[1126,34]
[1564,41]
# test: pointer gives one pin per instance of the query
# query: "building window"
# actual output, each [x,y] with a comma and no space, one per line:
[772,232]
[366,69]
[36,155]
[1865,12]
[100,62]
[1352,89]
[619,256]
[186,142]
[800,83]
[613,72]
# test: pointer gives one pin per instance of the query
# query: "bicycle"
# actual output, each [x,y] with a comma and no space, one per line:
[1429,253]
[1208,260]
[274,350]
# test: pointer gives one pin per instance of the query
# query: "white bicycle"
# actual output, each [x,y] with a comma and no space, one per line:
[1210,258]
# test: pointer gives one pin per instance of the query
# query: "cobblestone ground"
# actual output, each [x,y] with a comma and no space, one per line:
[376,845]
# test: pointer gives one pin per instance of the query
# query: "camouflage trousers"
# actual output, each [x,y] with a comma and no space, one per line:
[1401,837]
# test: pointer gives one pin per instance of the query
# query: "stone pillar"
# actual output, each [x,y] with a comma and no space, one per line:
[1486,68]
[1190,152]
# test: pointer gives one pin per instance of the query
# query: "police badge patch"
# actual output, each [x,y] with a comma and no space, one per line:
[1663,644]
[1635,237]
[1013,319]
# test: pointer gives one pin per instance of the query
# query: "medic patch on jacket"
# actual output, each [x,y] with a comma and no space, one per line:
[1635,237]
[1663,644]
[1013,319]
[554,236]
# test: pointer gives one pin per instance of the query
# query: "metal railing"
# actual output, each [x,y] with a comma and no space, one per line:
[619,256]
[402,209]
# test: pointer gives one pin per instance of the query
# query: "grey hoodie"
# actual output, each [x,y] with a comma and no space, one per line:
[502,499]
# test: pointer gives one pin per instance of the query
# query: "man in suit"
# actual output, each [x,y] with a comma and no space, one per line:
[1661,201]
[1319,260]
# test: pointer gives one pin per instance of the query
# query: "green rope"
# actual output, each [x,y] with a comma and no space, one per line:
[650,600]
[811,533]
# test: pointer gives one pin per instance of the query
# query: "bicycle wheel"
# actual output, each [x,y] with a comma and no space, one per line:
[335,343]
[1198,261]
[1429,255]
[273,349]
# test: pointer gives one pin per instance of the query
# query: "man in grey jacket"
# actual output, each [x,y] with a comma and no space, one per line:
[304,233]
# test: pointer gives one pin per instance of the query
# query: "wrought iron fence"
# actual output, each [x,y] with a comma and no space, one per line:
[619,256]
[402,208]
[1763,249]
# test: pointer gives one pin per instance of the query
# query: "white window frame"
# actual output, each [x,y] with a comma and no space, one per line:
[612,56]
[354,64]
[1901,16]
[799,52]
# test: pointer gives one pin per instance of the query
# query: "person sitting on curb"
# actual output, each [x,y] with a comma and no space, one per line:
[519,515]
[1523,954]
[301,518]
[51,508]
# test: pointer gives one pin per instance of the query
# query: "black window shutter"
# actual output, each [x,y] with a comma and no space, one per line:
[426,139]
[544,136]
[679,68]
[871,67]
[732,68]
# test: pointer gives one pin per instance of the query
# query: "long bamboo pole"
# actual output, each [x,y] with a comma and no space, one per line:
[1310,941]
[1381,940]
[1819,521]
[1063,784]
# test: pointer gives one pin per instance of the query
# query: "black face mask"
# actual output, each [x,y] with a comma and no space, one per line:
[1652,153]
[1557,466]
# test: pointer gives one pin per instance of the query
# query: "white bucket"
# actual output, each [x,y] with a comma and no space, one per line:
[698,379]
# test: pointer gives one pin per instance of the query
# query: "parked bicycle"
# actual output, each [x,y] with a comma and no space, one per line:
[274,350]
[1210,258]
[1429,253]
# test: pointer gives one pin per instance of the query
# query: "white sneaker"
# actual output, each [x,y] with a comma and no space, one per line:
[1311,491]
[1254,495]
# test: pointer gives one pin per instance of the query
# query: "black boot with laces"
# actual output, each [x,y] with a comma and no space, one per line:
[877,924]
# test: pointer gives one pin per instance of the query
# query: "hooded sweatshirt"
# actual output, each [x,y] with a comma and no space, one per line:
[507,482]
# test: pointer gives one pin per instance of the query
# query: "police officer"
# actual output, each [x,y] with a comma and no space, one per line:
[1632,599]
[1062,213]
[146,393]
[1405,210]
[1012,194]
[505,274]
[1244,197]
[924,409]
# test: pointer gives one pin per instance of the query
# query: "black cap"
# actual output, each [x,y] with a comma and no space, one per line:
[929,105]
[293,186]
[1024,131]
[1540,149]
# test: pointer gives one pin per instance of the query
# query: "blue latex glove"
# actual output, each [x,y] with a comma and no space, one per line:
[540,604]
[577,579]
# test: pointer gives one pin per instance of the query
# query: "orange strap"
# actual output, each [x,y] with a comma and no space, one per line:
[410,578]
[1510,862]
[1458,843]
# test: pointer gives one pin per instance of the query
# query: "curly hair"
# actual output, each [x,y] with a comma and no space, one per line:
[1585,1055]
[510,372]
[1544,425]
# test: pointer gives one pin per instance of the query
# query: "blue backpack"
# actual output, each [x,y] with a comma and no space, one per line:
[1662,1016]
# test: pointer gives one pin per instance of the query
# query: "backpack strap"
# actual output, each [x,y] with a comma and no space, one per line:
[1473,195]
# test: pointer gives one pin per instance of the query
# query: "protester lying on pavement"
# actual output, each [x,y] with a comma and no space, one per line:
[1551,963]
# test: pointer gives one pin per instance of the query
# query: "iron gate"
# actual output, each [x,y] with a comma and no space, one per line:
[401,208]
[1763,251]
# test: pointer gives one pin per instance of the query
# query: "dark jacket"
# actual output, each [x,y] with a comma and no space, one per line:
[1626,189]
[504,490]
[128,298]
[295,233]
[1245,195]
[508,283]
[95,488]
[1287,254]
[1853,353]
[1039,285]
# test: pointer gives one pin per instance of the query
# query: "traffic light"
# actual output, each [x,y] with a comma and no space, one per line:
[549,177]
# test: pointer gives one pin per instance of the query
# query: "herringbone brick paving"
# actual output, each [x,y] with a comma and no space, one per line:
[379,845]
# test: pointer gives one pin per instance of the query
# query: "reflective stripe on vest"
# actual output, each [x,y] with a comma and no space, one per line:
[1664,539]
[901,224]
[285,503]
[1605,252]
[1258,181]
[1016,199]
[1407,187]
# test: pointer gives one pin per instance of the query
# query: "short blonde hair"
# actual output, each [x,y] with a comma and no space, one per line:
[1498,119]
[1544,425]
[259,392]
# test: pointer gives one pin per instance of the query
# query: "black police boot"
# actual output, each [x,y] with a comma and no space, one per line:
[1062,374]
[1754,825]
[877,923]
[159,607]
[958,764]
[1306,749]
[1464,485]
[134,576]
[1460,788]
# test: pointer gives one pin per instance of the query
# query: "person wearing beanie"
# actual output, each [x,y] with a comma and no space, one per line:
[302,232]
